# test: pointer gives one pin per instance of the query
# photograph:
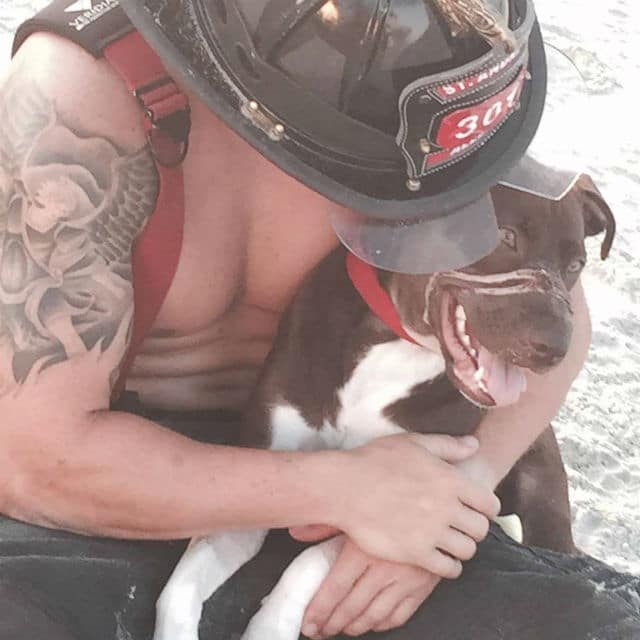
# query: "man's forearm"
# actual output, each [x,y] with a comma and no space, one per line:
[123,476]
[506,433]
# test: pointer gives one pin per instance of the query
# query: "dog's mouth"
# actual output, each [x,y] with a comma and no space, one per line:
[485,378]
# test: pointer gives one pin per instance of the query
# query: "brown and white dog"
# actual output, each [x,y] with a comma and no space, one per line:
[338,377]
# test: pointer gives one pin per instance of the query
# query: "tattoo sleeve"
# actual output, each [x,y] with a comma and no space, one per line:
[71,206]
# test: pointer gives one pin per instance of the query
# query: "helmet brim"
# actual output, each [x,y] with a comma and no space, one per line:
[418,246]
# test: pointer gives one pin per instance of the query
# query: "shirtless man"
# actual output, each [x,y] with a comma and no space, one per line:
[251,234]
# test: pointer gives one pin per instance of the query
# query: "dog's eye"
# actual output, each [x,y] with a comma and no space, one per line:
[576,266]
[508,237]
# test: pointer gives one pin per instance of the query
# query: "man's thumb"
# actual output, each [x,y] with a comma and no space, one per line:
[313,532]
[448,448]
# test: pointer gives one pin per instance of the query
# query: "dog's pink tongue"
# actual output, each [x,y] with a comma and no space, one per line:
[505,381]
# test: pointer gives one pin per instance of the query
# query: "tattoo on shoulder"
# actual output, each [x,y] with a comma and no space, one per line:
[71,207]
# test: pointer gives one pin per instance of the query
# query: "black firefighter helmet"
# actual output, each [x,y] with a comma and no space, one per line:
[402,112]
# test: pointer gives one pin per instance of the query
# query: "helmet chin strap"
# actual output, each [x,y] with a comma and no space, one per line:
[474,16]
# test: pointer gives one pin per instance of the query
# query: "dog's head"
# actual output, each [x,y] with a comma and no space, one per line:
[510,311]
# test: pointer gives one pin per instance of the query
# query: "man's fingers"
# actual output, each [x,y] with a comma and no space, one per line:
[459,545]
[407,607]
[401,614]
[393,606]
[481,499]
[313,532]
[455,450]
[448,448]
[353,606]
[472,523]
[443,565]
[335,588]
[379,608]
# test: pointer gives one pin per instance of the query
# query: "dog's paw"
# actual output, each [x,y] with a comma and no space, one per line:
[512,526]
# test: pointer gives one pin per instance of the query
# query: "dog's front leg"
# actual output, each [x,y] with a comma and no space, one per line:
[206,565]
[282,611]
[537,490]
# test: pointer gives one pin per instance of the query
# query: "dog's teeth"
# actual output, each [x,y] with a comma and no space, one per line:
[462,326]
[479,374]
[483,386]
[460,314]
[474,353]
[466,341]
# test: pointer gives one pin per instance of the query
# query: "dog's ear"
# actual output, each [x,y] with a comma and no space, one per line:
[598,217]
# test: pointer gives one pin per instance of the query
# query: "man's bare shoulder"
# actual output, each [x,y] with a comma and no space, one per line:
[77,186]
[86,92]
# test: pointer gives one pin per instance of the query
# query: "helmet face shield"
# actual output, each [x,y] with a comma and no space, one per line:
[420,246]
[544,181]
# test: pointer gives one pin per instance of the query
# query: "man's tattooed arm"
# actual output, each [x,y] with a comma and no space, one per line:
[71,206]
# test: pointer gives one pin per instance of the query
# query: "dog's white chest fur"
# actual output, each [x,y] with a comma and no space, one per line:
[387,373]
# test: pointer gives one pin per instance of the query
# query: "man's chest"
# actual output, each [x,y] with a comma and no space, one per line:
[222,311]
[240,248]
[244,253]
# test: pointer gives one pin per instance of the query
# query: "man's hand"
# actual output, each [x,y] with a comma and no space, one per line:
[412,504]
[363,593]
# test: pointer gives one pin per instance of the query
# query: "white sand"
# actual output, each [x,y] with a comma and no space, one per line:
[598,430]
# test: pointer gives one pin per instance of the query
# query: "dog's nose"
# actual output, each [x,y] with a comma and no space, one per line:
[546,354]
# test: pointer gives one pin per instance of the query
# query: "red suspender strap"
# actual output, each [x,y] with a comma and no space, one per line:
[166,119]
[365,279]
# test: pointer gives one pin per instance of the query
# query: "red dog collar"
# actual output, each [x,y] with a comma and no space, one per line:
[365,279]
